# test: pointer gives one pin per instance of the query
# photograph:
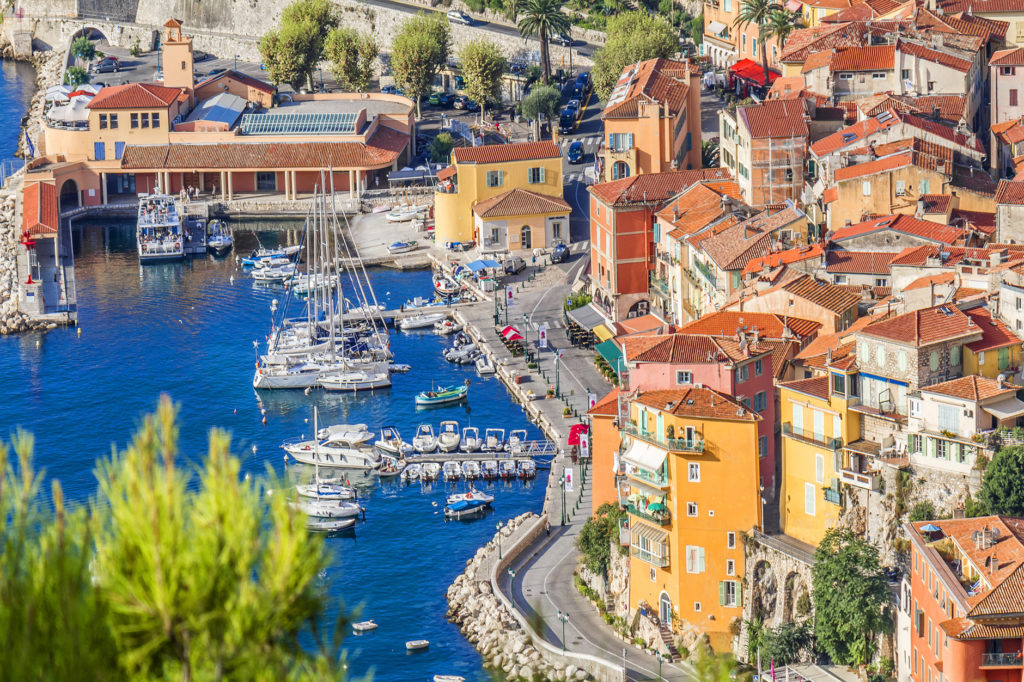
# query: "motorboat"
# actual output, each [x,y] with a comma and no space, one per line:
[516,441]
[390,441]
[527,469]
[390,467]
[271,262]
[399,368]
[402,247]
[507,469]
[327,509]
[484,365]
[303,284]
[417,644]
[449,678]
[489,469]
[411,472]
[364,626]
[278,274]
[467,505]
[446,326]
[452,471]
[322,525]
[473,495]
[355,381]
[430,471]
[323,489]
[494,440]
[448,436]
[299,375]
[262,253]
[446,286]
[471,439]
[424,441]
[462,355]
[218,238]
[420,302]
[471,470]
[340,447]
[158,229]
[420,321]
[442,396]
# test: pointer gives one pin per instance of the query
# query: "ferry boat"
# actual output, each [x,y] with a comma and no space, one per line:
[158,230]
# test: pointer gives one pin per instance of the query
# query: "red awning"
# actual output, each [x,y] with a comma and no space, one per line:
[750,70]
[39,211]
[510,333]
[574,433]
[446,173]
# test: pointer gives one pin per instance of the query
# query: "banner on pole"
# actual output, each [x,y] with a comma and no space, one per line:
[591,400]
[568,480]
[508,295]
[543,342]
[585,445]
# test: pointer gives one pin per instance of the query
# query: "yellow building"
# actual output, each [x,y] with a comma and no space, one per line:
[997,351]
[820,449]
[502,196]
[691,463]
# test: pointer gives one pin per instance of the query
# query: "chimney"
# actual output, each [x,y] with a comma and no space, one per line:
[828,357]
[675,212]
[847,223]
[920,208]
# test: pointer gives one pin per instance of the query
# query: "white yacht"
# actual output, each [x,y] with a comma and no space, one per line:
[324,490]
[158,229]
[448,437]
[327,509]
[341,447]
[420,321]
[356,380]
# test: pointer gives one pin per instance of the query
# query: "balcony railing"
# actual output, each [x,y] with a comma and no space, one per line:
[706,272]
[818,439]
[1012,659]
[655,479]
[672,444]
[662,518]
[834,496]
[660,285]
[652,559]
[867,480]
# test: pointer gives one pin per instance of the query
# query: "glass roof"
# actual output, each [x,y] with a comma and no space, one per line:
[299,124]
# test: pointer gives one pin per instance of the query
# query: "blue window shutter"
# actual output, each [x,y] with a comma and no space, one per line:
[98,151]
[630,141]
[611,140]
[118,150]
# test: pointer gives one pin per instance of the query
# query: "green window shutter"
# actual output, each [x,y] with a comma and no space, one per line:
[501,178]
[739,593]
[542,173]
[721,593]
[1004,358]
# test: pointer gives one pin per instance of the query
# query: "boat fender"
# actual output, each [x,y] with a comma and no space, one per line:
[144,247]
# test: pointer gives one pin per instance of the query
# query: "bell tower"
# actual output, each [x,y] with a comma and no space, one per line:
[177,57]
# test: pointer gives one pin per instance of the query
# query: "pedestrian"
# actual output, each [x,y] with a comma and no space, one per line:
[547,527]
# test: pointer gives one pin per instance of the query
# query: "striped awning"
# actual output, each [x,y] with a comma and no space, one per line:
[654,535]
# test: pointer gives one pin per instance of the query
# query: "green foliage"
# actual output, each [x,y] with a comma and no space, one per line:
[632,37]
[292,52]
[543,99]
[543,18]
[418,52]
[759,13]
[711,668]
[803,604]
[352,56]
[594,540]
[441,148]
[483,65]
[167,575]
[1002,488]
[697,29]
[83,48]
[782,644]
[588,592]
[75,76]
[709,154]
[781,23]
[922,511]
[577,301]
[974,508]
[850,598]
[136,49]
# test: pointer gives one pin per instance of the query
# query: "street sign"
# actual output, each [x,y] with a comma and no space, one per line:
[568,479]
[543,342]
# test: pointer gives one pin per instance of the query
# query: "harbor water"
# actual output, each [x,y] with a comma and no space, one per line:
[187,329]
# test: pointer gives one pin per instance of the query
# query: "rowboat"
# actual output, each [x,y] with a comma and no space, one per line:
[402,247]
[364,626]
[416,644]
[442,396]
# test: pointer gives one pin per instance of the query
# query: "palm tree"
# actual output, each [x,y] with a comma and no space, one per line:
[780,24]
[542,18]
[512,8]
[758,12]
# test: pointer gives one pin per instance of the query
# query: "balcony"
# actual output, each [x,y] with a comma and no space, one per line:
[652,559]
[1012,659]
[659,285]
[645,476]
[806,436]
[833,496]
[662,518]
[868,480]
[670,444]
[706,272]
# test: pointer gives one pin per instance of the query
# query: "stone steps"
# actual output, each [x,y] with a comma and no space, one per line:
[667,638]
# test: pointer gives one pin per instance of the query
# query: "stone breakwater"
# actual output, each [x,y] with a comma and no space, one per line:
[488,624]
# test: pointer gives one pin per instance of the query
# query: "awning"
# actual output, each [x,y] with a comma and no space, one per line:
[611,352]
[750,70]
[655,535]
[716,27]
[478,265]
[645,487]
[587,316]
[602,332]
[574,433]
[446,173]
[510,333]
[645,455]
[1007,408]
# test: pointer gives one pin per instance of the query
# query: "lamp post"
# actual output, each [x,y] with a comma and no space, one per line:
[499,540]
[564,617]
[526,336]
[512,585]
[561,484]
[557,384]
[236,63]
[661,659]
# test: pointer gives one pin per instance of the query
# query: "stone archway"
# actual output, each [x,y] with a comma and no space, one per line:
[69,195]
[765,592]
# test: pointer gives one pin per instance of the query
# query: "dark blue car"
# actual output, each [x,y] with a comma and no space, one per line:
[560,253]
[576,152]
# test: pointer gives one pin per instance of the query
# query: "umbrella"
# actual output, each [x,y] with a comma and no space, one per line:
[656,506]
[510,333]
[574,433]
[930,528]
[635,497]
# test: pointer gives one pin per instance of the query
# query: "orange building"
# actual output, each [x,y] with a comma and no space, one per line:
[652,120]
[604,450]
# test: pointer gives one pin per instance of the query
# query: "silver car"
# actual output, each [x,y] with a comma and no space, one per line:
[459,17]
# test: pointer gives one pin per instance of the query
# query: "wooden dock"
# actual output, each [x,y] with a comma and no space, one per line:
[538,450]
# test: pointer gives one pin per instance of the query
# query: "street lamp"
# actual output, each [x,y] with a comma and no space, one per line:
[236,63]
[561,484]
[499,540]
[564,617]
[557,383]
[526,336]
[512,585]
[661,659]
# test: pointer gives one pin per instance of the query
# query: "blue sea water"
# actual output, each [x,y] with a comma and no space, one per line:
[186,329]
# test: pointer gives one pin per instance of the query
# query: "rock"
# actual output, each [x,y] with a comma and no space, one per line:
[581,675]
[526,672]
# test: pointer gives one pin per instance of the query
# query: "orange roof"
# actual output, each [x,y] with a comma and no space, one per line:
[866,58]
[1010,192]
[853,134]
[821,293]
[925,327]
[504,153]
[517,202]
[787,87]
[927,281]
[970,387]
[698,206]
[775,118]
[648,188]
[817,387]
[446,172]
[608,406]
[770,325]
[686,348]
[830,195]
[243,78]
[636,325]
[134,96]
[1013,56]
[925,229]
[861,262]
[935,56]
[39,212]
[994,334]
[697,402]
[665,81]
[794,255]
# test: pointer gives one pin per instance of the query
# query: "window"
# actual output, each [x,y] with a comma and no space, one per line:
[1004,357]
[1013,97]
[535,176]
[103,121]
[933,360]
[1018,303]
[819,468]
[880,355]
[941,452]
[753,46]
[839,383]
[726,5]
[730,540]
[730,567]
[99,151]
[266,182]
[924,187]
[620,142]
[846,76]
[866,188]
[694,559]
[744,41]
[878,76]
[556,230]
[839,279]
[727,593]
[931,86]
[691,509]
[954,355]
[760,401]
[742,374]
[113,120]
[495,235]
[915,408]
[696,607]
[901,187]
[156,120]
[905,74]
[494,178]
[881,281]
[809,493]
[135,120]
[144,119]
[684,377]
[837,426]
[1007,71]
[903,360]
[762,446]
[693,472]
[758,367]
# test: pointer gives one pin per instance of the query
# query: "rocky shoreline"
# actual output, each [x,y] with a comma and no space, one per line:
[488,624]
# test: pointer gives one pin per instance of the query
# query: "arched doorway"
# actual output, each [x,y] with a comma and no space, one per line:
[525,237]
[620,169]
[639,309]
[665,609]
[68,195]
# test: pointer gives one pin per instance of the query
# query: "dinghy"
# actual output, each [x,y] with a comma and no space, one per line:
[448,438]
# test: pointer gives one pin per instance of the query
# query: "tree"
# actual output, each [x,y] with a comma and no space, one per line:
[83,48]
[292,52]
[512,9]
[782,644]
[543,99]
[352,56]
[441,148]
[631,37]
[709,154]
[418,52]
[697,29]
[594,540]
[75,76]
[780,24]
[162,576]
[1002,488]
[483,65]
[544,18]
[850,597]
[759,13]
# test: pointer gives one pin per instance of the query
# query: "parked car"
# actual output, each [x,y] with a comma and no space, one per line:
[463,102]
[459,17]
[514,265]
[562,39]
[108,65]
[215,72]
[560,253]
[576,152]
[200,56]
[441,99]
[567,119]
[391,90]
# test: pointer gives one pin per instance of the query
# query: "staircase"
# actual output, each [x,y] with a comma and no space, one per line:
[666,637]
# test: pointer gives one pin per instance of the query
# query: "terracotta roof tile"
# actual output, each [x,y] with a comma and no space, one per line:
[768,325]
[774,260]
[665,81]
[935,56]
[943,131]
[697,402]
[682,348]
[608,406]
[39,212]
[697,207]
[243,78]
[866,58]
[817,60]
[925,327]
[970,388]
[936,203]
[775,118]
[822,293]
[733,248]
[994,334]
[852,134]
[652,187]
[974,179]
[925,229]
[815,386]
[134,96]
[858,262]
[504,153]
[518,202]
[929,280]
[1013,56]
[1010,192]
[1007,597]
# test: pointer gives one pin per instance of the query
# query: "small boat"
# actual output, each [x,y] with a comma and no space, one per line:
[399,368]
[467,505]
[411,472]
[323,525]
[417,644]
[402,214]
[328,509]
[507,469]
[430,471]
[402,247]
[271,262]
[381,209]
[390,467]
[494,440]
[462,354]
[446,327]
[485,366]
[424,441]
[420,321]
[391,441]
[303,284]
[446,286]
[471,439]
[489,469]
[218,238]
[265,254]
[364,626]
[471,470]
[516,441]
[355,381]
[449,678]
[473,495]
[442,396]
[275,275]
[452,471]
[527,469]
[448,436]
[323,490]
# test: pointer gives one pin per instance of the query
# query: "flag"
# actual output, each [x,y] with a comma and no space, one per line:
[508,295]
[543,342]
[31,147]
[568,480]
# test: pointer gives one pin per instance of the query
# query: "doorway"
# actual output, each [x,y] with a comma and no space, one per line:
[665,609]
[525,238]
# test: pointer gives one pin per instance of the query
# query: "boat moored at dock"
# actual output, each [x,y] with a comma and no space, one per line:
[159,229]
